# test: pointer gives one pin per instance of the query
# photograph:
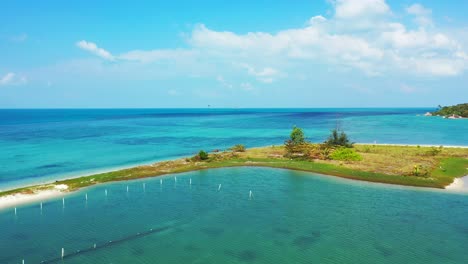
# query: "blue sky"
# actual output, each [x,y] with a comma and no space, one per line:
[315,53]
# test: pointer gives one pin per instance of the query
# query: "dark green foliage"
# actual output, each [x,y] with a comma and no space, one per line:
[420,171]
[339,139]
[297,136]
[203,155]
[296,146]
[345,154]
[460,109]
[434,151]
[238,148]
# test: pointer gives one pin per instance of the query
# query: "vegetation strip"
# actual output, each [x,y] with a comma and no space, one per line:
[385,164]
[434,167]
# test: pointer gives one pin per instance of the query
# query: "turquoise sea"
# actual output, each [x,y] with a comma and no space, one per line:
[235,215]
[291,217]
[42,145]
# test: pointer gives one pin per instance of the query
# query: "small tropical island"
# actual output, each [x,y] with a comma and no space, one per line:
[421,166]
[452,112]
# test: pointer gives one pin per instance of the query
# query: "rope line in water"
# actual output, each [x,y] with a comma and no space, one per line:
[107,244]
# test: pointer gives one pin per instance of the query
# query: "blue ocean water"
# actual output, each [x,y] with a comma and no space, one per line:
[42,145]
[291,217]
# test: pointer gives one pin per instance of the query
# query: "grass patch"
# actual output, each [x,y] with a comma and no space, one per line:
[385,164]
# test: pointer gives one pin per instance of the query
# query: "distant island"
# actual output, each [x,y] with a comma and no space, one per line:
[455,111]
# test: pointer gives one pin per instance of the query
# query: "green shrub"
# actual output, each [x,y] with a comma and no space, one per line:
[420,171]
[203,155]
[345,154]
[434,151]
[238,148]
[297,136]
[339,139]
[296,146]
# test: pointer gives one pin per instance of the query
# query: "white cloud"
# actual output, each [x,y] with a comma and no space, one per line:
[362,35]
[418,10]
[246,86]
[266,75]
[12,79]
[350,9]
[223,82]
[422,14]
[316,20]
[93,48]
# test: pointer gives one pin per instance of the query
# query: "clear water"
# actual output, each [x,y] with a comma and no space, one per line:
[42,145]
[294,217]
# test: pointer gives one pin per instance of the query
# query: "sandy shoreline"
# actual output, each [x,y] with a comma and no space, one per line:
[17,199]
[459,185]
[9,201]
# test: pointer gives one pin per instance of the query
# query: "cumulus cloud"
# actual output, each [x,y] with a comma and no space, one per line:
[421,13]
[93,48]
[12,79]
[361,35]
[350,9]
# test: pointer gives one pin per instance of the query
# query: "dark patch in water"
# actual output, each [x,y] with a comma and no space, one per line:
[437,252]
[245,255]
[212,231]
[138,251]
[191,247]
[305,242]
[383,250]
[53,165]
[20,236]
[281,230]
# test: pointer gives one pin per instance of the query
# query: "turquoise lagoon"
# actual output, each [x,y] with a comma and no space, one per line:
[292,217]
[43,145]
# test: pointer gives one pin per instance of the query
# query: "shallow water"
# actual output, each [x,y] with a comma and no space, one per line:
[293,217]
[42,145]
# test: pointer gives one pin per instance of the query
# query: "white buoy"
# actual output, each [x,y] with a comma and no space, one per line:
[105,192]
[63,202]
[127,188]
[63,252]
[86,197]
[175,179]
[250,195]
[219,187]
[144,186]
[94,245]
[15,210]
[23,261]
[190,181]
[41,206]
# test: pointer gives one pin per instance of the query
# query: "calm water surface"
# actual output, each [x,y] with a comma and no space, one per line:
[42,145]
[293,217]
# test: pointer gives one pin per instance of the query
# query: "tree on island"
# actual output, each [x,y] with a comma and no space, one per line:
[296,145]
[297,136]
[458,110]
[338,139]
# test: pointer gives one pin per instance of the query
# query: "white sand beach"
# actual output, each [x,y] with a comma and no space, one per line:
[459,185]
[21,198]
